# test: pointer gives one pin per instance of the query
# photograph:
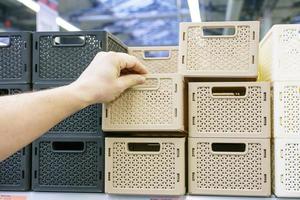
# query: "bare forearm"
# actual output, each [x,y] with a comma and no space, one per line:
[25,117]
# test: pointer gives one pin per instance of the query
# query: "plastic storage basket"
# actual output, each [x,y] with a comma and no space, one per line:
[154,166]
[224,56]
[63,56]
[15,171]
[157,59]
[85,122]
[69,163]
[286,109]
[157,105]
[279,53]
[229,109]
[227,166]
[15,53]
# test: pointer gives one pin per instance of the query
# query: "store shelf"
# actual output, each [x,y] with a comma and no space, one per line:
[95,196]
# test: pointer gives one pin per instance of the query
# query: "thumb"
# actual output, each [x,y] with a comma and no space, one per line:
[130,80]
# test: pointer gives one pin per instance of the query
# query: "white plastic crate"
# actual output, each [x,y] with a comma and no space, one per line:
[279,53]
[227,166]
[225,56]
[229,109]
[156,105]
[157,59]
[286,109]
[286,167]
[145,166]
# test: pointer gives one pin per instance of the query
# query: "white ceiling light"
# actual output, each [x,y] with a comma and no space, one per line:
[60,21]
[194,10]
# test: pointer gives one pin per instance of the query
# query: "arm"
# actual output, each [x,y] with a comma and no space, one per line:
[25,117]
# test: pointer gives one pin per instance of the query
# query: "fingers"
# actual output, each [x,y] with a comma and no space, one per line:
[131,63]
[127,81]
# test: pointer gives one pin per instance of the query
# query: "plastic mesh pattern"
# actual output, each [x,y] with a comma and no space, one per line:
[85,121]
[11,170]
[65,63]
[12,64]
[218,54]
[155,66]
[290,116]
[292,167]
[229,172]
[145,107]
[68,169]
[115,46]
[229,115]
[144,171]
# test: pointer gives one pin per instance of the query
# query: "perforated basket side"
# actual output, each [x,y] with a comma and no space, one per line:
[147,170]
[163,64]
[286,169]
[286,109]
[15,171]
[157,105]
[69,163]
[219,56]
[114,44]
[15,57]
[229,109]
[84,122]
[218,166]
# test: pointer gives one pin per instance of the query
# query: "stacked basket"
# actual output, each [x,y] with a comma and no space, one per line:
[229,122]
[70,157]
[15,77]
[145,147]
[280,63]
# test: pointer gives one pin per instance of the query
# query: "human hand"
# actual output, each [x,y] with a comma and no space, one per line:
[107,76]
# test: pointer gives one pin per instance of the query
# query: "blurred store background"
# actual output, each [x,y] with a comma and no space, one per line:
[144,22]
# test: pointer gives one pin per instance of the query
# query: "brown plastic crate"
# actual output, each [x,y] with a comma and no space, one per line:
[145,166]
[161,64]
[157,105]
[227,166]
[222,56]
[229,109]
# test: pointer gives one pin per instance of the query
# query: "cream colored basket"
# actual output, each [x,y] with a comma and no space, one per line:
[279,54]
[225,56]
[166,63]
[145,166]
[286,109]
[229,109]
[287,167]
[157,105]
[227,166]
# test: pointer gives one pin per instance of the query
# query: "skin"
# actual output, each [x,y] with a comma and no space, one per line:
[26,117]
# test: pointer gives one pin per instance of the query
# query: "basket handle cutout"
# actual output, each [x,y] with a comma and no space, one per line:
[213,31]
[70,147]
[4,42]
[232,92]
[143,148]
[229,148]
[68,40]
[147,86]
[156,54]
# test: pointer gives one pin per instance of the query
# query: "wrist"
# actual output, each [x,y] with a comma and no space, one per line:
[77,94]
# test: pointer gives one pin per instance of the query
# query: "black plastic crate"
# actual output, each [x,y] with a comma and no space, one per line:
[15,54]
[15,171]
[63,56]
[84,122]
[13,89]
[68,164]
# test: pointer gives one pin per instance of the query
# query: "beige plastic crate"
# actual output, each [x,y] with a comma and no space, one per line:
[157,105]
[223,56]
[145,166]
[227,166]
[162,64]
[279,54]
[286,109]
[229,109]
[286,167]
